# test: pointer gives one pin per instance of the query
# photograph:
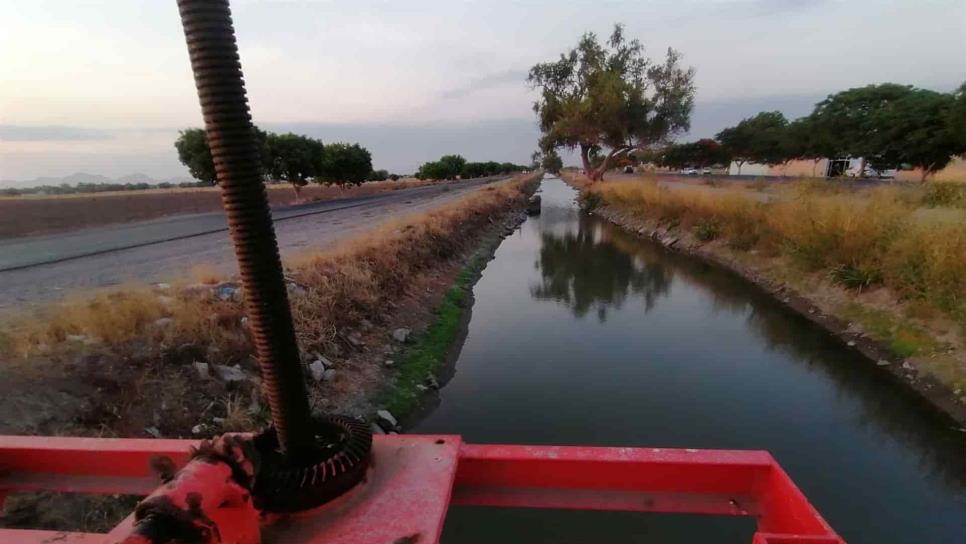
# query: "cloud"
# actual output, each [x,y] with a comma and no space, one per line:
[50,133]
[488,81]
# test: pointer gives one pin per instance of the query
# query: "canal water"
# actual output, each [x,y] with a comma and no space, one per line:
[583,334]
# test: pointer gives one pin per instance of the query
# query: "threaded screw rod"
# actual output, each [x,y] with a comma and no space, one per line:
[210,35]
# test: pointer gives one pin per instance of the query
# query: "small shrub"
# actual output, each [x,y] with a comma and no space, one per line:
[946,194]
[590,201]
[855,277]
[707,230]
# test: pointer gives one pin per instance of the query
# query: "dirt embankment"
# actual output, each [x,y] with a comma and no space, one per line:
[176,361]
[853,316]
[28,215]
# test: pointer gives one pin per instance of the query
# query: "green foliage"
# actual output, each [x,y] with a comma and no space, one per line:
[947,194]
[193,152]
[551,162]
[707,230]
[760,138]
[851,117]
[611,96]
[855,276]
[904,337]
[379,175]
[590,200]
[345,164]
[447,167]
[704,152]
[393,177]
[455,166]
[294,158]
[430,348]
[915,130]
[888,125]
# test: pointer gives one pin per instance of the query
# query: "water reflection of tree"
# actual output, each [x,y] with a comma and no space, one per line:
[586,271]
[885,404]
[600,265]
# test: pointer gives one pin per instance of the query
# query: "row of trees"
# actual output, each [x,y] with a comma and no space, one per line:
[455,166]
[294,158]
[612,104]
[91,188]
[887,125]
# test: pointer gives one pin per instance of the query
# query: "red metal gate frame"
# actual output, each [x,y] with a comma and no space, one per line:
[416,477]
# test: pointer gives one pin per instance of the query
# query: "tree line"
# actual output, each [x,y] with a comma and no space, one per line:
[293,158]
[455,166]
[91,188]
[614,105]
[887,125]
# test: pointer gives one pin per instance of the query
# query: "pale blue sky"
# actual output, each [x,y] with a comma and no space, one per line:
[103,86]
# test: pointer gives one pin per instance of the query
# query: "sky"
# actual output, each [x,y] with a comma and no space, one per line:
[104,86]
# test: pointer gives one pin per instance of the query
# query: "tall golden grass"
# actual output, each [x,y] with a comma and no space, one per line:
[861,238]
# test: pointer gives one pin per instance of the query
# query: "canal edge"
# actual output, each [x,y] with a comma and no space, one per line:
[936,394]
[411,401]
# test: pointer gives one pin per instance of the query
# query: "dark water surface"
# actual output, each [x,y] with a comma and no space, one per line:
[583,334]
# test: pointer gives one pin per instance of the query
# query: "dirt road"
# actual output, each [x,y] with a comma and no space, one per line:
[41,269]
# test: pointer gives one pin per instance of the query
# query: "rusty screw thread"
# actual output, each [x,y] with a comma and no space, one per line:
[217,70]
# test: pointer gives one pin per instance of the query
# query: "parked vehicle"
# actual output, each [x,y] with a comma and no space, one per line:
[706,172]
[628,169]
[689,171]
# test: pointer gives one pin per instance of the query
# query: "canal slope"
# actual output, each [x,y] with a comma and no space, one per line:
[584,334]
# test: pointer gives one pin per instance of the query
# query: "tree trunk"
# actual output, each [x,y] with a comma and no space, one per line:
[861,167]
[585,159]
[298,192]
[739,166]
[814,166]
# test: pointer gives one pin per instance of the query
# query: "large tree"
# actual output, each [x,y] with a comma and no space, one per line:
[451,167]
[916,130]
[551,162]
[193,152]
[854,119]
[808,139]
[611,99]
[345,164]
[757,139]
[294,158]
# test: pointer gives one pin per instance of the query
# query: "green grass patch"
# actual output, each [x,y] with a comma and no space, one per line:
[904,337]
[427,354]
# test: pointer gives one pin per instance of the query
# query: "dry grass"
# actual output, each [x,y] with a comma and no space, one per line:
[360,278]
[206,273]
[860,238]
[153,334]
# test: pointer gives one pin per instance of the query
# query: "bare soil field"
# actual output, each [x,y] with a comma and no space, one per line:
[23,216]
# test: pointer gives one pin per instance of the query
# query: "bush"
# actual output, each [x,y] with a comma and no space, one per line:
[855,277]
[378,175]
[947,194]
[590,201]
[707,230]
